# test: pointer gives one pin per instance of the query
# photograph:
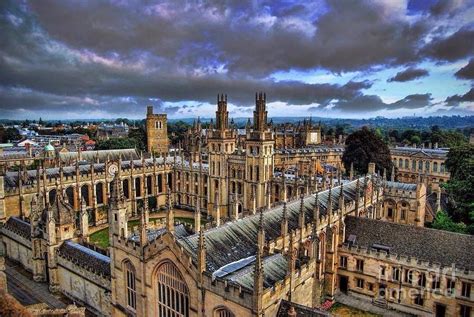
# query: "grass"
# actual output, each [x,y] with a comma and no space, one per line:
[340,310]
[101,237]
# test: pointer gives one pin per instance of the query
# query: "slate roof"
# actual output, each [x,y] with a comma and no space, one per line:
[315,149]
[274,270]
[401,186]
[406,150]
[422,243]
[18,226]
[152,234]
[87,258]
[301,311]
[101,156]
[236,240]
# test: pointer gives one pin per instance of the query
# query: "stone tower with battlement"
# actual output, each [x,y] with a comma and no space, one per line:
[156,132]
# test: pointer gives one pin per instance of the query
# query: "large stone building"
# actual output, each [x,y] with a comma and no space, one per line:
[429,164]
[277,242]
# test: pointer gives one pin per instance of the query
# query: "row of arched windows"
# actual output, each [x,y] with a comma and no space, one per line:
[419,166]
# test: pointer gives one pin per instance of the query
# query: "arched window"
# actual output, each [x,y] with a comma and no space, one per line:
[52,196]
[126,188]
[85,194]
[149,184]
[70,195]
[427,166]
[131,285]
[223,312]
[435,167]
[138,187]
[173,293]
[400,163]
[406,163]
[99,193]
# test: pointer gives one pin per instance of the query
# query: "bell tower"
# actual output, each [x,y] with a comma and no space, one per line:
[156,132]
[260,145]
[221,143]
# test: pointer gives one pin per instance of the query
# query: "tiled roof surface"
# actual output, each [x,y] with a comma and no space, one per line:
[236,240]
[424,244]
[89,259]
[18,226]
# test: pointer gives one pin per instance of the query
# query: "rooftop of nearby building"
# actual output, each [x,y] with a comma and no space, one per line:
[436,246]
[236,240]
[407,150]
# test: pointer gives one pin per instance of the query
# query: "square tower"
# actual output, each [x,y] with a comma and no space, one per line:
[156,131]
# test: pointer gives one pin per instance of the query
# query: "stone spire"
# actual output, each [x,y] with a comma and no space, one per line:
[284,226]
[392,176]
[118,211]
[143,227]
[341,200]
[316,210]
[301,214]
[169,213]
[357,197]
[197,215]
[201,259]
[258,269]
[84,221]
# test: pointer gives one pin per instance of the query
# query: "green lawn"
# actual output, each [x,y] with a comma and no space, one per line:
[101,237]
[340,310]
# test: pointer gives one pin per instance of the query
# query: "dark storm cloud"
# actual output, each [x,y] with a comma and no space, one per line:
[116,57]
[238,35]
[409,74]
[454,47]
[456,99]
[368,103]
[467,72]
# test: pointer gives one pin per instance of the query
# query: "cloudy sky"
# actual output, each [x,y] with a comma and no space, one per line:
[335,58]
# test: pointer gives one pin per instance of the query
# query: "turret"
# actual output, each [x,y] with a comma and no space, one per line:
[118,211]
[222,115]
[260,113]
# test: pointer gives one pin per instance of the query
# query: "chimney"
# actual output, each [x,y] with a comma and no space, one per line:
[436,145]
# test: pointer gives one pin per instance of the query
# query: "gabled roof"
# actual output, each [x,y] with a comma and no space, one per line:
[436,246]
[236,240]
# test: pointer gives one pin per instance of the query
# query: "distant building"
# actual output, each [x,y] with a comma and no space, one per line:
[107,131]
[428,164]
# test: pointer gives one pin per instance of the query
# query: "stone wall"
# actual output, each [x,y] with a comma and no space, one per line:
[85,287]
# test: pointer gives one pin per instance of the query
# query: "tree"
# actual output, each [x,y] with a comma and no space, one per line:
[9,135]
[460,164]
[364,147]
[442,221]
[139,135]
[117,143]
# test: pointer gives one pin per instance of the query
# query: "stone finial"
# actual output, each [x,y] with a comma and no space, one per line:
[371,168]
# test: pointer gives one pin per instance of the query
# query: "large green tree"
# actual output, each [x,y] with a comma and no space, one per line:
[364,147]
[460,164]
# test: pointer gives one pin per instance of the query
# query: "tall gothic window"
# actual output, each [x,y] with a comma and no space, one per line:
[131,286]
[173,294]
[223,312]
